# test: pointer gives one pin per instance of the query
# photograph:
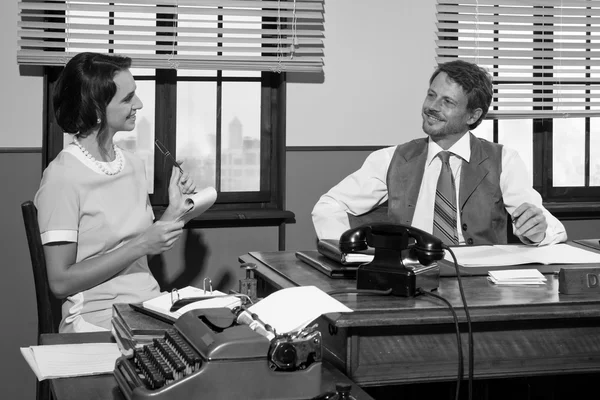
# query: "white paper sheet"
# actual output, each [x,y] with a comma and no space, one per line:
[65,360]
[291,309]
[499,255]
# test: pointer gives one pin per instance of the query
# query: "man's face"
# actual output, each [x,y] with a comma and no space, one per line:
[120,112]
[445,109]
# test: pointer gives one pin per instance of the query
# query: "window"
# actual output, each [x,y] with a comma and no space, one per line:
[544,62]
[212,80]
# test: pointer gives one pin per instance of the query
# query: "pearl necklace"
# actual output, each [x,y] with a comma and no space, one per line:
[103,166]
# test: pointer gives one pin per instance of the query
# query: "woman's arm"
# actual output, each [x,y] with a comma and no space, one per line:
[66,276]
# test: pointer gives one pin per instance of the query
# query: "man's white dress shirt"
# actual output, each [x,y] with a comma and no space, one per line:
[366,189]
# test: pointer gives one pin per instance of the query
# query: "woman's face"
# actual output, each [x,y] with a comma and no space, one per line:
[120,112]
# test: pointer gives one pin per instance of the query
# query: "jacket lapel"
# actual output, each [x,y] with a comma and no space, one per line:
[412,183]
[473,171]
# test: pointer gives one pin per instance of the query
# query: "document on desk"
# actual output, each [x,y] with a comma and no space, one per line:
[501,255]
[66,360]
[292,309]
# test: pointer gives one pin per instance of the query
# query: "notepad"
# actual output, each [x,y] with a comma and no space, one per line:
[517,277]
[198,203]
[67,360]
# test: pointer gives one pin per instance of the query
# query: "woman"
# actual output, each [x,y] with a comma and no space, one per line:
[94,212]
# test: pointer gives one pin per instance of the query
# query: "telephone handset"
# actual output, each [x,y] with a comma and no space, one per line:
[405,257]
[427,247]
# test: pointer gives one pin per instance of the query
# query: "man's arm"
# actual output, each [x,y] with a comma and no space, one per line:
[356,194]
[532,223]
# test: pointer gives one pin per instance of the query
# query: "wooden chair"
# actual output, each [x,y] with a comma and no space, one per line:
[48,306]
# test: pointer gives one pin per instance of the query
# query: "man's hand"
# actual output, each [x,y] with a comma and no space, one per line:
[530,222]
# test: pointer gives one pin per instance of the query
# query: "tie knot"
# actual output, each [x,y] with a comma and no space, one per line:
[444,156]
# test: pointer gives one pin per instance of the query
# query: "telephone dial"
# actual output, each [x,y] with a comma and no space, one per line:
[405,258]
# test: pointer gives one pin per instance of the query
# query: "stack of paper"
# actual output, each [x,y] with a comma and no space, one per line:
[517,277]
[512,254]
[65,360]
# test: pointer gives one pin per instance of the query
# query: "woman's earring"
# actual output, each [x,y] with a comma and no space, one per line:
[98,121]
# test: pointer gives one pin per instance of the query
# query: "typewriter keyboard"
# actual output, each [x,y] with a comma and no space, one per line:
[166,360]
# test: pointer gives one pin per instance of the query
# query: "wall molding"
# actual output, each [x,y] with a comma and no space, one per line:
[20,150]
[335,148]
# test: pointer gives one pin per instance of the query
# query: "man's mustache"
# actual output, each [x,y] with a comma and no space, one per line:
[433,114]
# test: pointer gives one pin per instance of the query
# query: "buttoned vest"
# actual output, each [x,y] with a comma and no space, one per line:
[482,212]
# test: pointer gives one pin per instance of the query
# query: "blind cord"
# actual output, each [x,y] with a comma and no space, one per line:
[172,63]
[477,32]
[65,58]
[294,44]
[279,67]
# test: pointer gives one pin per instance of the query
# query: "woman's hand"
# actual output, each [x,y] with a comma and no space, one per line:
[180,186]
[161,236]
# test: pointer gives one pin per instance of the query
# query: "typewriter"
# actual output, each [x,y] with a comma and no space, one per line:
[223,354]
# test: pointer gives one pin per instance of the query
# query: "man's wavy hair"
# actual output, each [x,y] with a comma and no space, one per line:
[83,90]
[475,81]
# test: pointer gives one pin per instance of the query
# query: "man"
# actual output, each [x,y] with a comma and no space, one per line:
[486,180]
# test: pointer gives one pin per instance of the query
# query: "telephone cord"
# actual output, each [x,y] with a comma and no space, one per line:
[360,291]
[458,339]
[468,316]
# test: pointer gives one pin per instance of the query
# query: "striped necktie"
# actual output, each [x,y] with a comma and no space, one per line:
[444,215]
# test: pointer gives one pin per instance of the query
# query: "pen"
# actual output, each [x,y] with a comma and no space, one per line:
[167,154]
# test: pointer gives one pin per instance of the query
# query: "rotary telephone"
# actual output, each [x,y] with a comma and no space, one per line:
[405,258]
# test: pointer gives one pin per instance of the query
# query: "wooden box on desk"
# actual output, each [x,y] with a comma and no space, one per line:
[579,280]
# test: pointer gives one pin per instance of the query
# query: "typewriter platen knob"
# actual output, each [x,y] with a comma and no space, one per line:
[283,356]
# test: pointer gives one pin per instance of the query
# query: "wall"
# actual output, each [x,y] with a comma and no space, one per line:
[358,102]
[379,56]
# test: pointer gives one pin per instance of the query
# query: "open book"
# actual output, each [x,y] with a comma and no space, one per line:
[504,255]
[208,299]
[198,203]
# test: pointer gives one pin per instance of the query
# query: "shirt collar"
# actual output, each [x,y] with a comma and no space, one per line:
[462,148]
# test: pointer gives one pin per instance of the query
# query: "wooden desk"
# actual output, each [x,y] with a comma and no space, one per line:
[517,331]
[105,387]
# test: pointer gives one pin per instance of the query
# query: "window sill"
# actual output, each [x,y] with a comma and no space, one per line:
[236,218]
[574,210]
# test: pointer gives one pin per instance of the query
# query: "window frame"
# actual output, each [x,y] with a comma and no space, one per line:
[232,209]
[566,203]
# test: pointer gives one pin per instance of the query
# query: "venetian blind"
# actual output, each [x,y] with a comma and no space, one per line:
[544,55]
[255,35]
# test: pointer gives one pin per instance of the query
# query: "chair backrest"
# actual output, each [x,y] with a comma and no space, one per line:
[48,306]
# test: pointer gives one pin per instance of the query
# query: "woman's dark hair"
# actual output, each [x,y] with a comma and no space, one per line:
[83,90]
[475,81]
